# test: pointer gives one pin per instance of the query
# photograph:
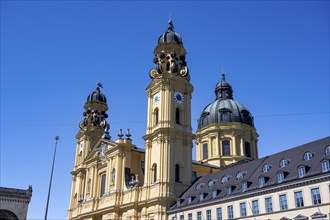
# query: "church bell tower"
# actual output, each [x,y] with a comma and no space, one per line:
[168,139]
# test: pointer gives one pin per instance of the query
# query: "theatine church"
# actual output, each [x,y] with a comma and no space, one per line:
[113,179]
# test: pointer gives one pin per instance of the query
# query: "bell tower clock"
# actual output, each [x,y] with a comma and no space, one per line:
[168,139]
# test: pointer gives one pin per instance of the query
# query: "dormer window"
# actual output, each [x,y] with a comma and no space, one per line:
[211,182]
[325,165]
[224,179]
[202,196]
[284,163]
[308,156]
[244,186]
[190,199]
[179,201]
[230,190]
[262,180]
[280,176]
[239,175]
[266,168]
[215,193]
[327,150]
[301,171]
[199,186]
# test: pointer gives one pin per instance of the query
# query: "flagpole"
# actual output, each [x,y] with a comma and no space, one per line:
[51,176]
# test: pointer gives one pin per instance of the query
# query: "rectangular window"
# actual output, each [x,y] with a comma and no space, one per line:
[102,191]
[299,199]
[283,202]
[255,207]
[181,217]
[199,215]
[247,149]
[142,166]
[242,207]
[189,216]
[205,151]
[230,212]
[269,204]
[219,214]
[208,214]
[316,196]
[225,148]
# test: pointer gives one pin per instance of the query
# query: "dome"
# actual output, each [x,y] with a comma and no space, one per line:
[170,35]
[97,96]
[224,108]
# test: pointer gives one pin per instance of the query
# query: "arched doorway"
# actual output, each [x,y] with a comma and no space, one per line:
[7,215]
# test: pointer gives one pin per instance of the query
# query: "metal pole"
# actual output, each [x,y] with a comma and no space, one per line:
[51,176]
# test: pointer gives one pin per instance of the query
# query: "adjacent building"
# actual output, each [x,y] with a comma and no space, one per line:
[293,184]
[114,179]
[14,203]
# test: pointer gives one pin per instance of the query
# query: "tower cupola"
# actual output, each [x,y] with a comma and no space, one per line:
[170,35]
[223,90]
[95,111]
[170,56]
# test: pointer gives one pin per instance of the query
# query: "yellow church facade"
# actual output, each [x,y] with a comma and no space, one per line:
[112,179]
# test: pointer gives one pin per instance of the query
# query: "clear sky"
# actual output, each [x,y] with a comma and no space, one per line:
[275,55]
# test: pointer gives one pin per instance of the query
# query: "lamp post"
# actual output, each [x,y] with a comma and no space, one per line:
[51,176]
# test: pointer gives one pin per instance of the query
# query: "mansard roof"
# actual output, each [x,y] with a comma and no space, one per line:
[252,171]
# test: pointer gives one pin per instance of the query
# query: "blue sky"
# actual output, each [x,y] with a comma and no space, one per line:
[275,55]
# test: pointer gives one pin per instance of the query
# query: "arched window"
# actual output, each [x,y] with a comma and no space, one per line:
[224,179]
[239,175]
[266,168]
[177,116]
[103,179]
[247,149]
[154,172]
[205,151]
[327,150]
[284,163]
[156,115]
[177,173]
[308,156]
[225,148]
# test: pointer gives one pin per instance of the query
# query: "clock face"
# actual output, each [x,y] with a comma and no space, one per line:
[178,97]
[156,99]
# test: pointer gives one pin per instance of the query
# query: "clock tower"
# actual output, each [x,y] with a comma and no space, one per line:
[168,139]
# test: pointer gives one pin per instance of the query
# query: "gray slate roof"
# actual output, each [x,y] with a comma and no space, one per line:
[252,170]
